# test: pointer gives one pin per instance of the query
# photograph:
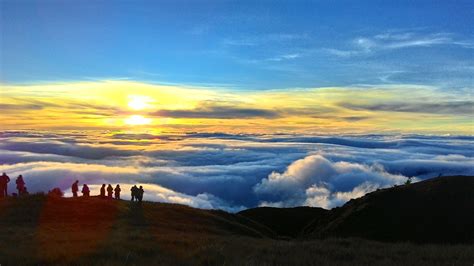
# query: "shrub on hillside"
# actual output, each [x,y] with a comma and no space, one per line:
[56,192]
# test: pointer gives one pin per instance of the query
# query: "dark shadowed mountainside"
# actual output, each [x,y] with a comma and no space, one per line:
[42,230]
[435,210]
[285,222]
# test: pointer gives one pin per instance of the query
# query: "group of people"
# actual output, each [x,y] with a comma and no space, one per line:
[20,186]
[86,191]
[137,192]
[110,191]
[75,188]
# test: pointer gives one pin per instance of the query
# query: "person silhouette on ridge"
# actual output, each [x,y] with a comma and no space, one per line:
[117,191]
[2,186]
[4,179]
[75,188]
[140,192]
[20,185]
[85,191]
[134,192]
[102,191]
[110,191]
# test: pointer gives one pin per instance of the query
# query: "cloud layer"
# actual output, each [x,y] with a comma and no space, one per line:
[113,105]
[232,172]
[316,181]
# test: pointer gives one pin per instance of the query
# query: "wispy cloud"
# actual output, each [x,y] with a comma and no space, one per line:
[285,57]
[456,107]
[264,39]
[6,107]
[392,41]
[220,112]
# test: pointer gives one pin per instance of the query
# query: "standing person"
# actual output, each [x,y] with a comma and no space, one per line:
[20,185]
[110,191]
[85,191]
[4,179]
[140,192]
[102,191]
[75,188]
[117,191]
[134,193]
[2,185]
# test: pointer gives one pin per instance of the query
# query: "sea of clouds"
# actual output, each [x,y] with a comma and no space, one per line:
[232,172]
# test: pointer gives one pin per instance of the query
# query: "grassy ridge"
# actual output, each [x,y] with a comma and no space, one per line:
[42,230]
[438,210]
[285,222]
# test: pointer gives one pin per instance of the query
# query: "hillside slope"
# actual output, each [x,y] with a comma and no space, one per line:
[57,230]
[285,222]
[435,210]
[38,230]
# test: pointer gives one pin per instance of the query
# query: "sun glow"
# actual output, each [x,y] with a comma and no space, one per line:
[136,120]
[139,102]
[111,104]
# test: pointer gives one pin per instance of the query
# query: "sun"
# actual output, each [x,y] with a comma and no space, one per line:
[136,120]
[139,102]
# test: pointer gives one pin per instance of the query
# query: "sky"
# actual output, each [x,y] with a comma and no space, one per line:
[239,44]
[306,66]
[236,104]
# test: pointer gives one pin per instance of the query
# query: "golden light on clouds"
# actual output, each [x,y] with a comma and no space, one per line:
[122,104]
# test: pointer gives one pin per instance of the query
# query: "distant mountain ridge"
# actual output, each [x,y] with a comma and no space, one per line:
[432,211]
[435,210]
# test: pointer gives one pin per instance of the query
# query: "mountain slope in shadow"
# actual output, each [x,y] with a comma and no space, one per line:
[42,230]
[435,210]
[285,222]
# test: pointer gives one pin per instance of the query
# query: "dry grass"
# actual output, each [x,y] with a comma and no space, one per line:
[38,230]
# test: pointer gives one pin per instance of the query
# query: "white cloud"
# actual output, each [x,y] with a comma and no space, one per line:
[320,196]
[400,40]
[43,176]
[233,171]
[285,57]
[316,181]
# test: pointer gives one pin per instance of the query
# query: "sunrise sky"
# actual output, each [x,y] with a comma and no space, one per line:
[232,66]
[236,104]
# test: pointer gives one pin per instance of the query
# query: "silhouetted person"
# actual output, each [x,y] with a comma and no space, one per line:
[140,192]
[110,191]
[117,191]
[4,179]
[134,193]
[102,191]
[20,185]
[85,191]
[75,188]
[2,187]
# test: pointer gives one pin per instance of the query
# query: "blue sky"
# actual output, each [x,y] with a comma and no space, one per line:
[240,44]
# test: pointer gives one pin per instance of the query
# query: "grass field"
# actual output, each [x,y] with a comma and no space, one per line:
[42,230]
